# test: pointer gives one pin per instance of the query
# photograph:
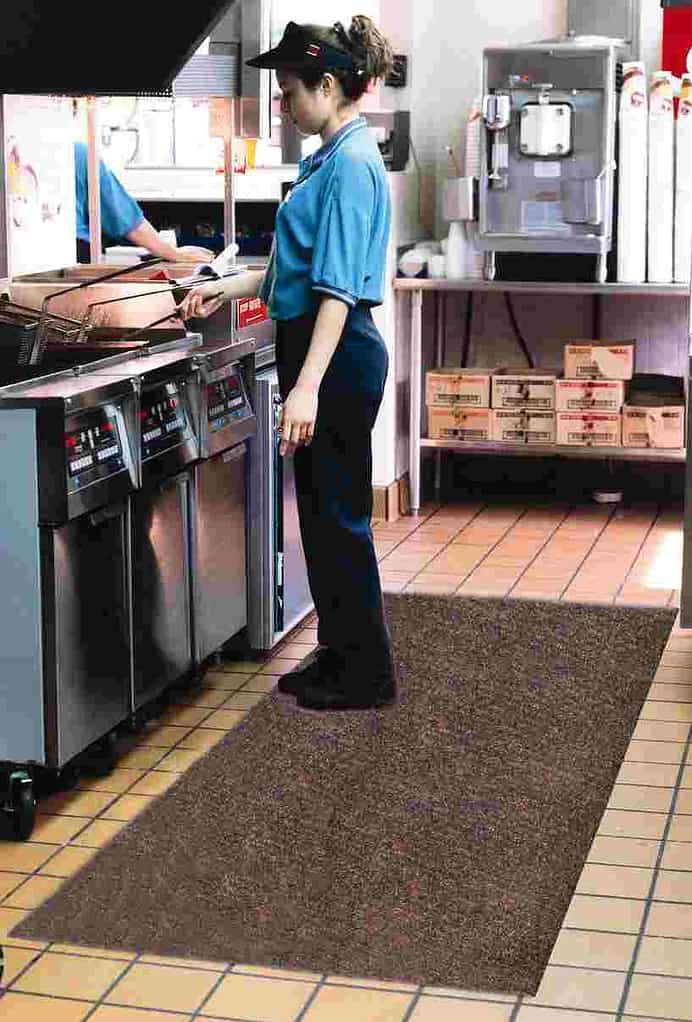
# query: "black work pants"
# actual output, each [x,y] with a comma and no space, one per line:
[334,489]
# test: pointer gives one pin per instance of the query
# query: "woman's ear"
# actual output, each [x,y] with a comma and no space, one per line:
[327,84]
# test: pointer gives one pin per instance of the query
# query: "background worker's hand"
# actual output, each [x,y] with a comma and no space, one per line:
[201,302]
[194,254]
[298,415]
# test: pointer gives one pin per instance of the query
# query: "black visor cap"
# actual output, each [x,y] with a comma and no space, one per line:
[298,50]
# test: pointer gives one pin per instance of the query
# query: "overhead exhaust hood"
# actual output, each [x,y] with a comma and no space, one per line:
[79,48]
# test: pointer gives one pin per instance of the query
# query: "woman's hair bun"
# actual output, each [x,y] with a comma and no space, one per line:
[369,47]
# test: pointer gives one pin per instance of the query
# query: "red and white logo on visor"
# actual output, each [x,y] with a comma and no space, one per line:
[313,50]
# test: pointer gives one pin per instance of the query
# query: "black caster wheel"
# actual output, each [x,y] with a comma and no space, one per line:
[137,723]
[21,805]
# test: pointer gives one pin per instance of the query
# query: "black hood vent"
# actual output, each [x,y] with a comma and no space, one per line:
[85,48]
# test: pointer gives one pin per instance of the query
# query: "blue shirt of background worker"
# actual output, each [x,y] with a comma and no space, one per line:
[120,214]
[332,228]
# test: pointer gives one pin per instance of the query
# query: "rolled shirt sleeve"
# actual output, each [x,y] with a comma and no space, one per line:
[339,258]
[120,213]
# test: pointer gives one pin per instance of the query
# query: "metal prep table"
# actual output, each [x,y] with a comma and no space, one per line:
[66,476]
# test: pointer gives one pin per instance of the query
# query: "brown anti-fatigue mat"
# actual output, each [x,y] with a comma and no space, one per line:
[438,841]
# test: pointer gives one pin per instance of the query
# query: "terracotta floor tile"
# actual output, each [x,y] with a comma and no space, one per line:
[612,915]
[272,1000]
[184,717]
[127,807]
[680,828]
[57,830]
[633,796]
[76,803]
[618,851]
[579,988]
[224,680]
[240,666]
[655,731]
[243,701]
[655,752]
[564,1015]
[162,988]
[665,957]
[674,886]
[225,719]
[33,892]
[9,918]
[92,952]
[210,698]
[668,712]
[21,1008]
[438,992]
[67,862]
[24,857]
[672,920]
[677,855]
[441,1009]
[664,998]
[116,782]
[64,976]
[98,834]
[660,775]
[684,801]
[180,760]
[141,758]
[673,675]
[618,823]
[436,588]
[616,881]
[343,1004]
[662,692]
[164,737]
[594,950]
[16,960]
[204,739]
[155,782]
[9,882]
[184,963]
[107,1013]
[275,973]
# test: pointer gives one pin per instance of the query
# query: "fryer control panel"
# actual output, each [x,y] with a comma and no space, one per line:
[95,446]
[227,401]
[165,418]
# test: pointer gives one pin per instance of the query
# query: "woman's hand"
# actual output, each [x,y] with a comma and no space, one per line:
[298,414]
[202,301]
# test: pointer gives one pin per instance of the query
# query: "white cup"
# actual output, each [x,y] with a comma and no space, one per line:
[437,266]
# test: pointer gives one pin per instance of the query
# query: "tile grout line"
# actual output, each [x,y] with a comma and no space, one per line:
[639,552]
[538,553]
[487,554]
[100,1002]
[654,881]
[585,558]
[447,545]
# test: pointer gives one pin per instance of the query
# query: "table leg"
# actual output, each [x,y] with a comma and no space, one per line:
[415,400]
[441,326]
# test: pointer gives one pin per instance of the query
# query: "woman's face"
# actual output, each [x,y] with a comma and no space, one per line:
[308,109]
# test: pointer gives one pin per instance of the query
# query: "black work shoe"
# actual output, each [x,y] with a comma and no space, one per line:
[315,669]
[339,695]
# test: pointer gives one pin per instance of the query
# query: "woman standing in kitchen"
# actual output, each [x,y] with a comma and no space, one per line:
[325,273]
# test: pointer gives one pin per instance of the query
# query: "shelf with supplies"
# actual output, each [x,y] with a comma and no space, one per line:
[412,290]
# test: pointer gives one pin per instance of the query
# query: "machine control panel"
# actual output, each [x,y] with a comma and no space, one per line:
[95,446]
[165,418]
[227,401]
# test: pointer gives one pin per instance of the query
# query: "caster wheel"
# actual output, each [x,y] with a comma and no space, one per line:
[22,805]
[137,723]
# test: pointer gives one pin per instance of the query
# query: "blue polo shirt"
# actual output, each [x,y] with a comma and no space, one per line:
[332,228]
[120,214]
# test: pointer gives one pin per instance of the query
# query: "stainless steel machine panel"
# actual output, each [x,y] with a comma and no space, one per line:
[86,630]
[219,558]
[279,594]
[548,151]
[161,587]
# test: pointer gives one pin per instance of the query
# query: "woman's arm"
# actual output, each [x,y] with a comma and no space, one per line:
[200,302]
[300,408]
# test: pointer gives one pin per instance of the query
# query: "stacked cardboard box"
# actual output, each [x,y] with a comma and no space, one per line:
[523,406]
[458,404]
[590,397]
[654,415]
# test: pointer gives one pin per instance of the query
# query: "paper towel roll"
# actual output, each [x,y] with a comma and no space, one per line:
[683,187]
[661,178]
[632,179]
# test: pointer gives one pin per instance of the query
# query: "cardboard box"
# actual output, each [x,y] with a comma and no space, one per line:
[589,395]
[662,426]
[589,429]
[524,388]
[523,426]
[453,387]
[471,424]
[601,360]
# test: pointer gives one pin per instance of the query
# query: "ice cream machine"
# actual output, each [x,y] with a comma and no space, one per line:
[548,149]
